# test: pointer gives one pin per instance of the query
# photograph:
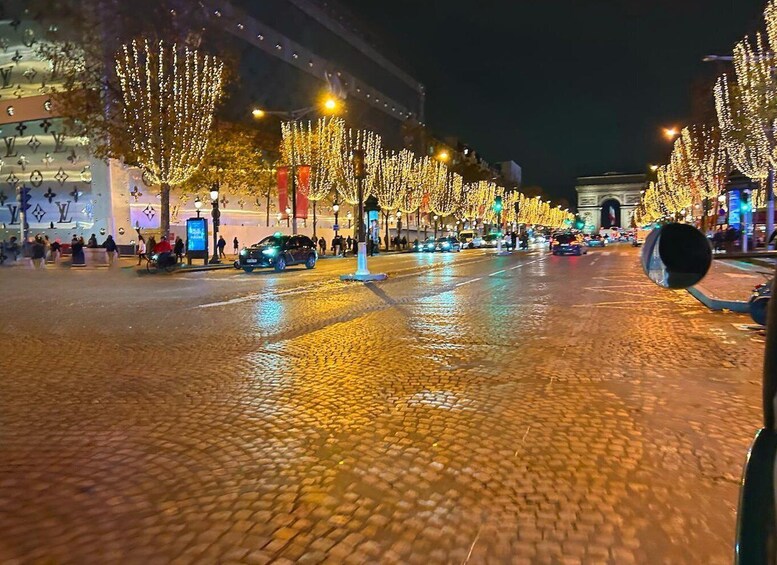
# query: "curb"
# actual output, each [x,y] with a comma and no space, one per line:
[703,296]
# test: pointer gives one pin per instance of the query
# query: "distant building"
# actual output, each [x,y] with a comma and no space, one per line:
[608,200]
[510,171]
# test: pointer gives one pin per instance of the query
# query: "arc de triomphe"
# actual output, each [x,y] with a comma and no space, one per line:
[608,200]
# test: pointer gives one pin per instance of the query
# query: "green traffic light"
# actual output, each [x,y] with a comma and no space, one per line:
[498,204]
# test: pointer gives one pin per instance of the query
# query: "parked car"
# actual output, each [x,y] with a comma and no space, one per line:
[279,251]
[448,243]
[759,302]
[567,244]
[596,241]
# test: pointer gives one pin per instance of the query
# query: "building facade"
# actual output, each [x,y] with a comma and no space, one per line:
[288,53]
[608,200]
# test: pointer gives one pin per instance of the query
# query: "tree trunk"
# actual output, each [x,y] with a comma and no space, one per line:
[314,221]
[385,219]
[268,208]
[164,213]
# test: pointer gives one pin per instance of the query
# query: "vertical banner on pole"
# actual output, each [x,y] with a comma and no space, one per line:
[303,190]
[283,189]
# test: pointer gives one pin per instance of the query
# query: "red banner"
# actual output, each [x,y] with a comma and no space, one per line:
[303,190]
[283,189]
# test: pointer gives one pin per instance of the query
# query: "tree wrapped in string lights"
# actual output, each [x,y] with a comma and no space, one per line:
[317,146]
[169,97]
[347,183]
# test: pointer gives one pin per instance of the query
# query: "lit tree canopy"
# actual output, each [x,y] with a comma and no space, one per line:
[169,99]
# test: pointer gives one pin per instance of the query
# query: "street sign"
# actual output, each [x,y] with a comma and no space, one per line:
[336,227]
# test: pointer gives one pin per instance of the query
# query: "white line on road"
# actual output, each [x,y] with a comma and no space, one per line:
[469,281]
[497,273]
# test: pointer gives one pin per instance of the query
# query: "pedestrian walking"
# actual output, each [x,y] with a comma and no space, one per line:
[77,251]
[38,253]
[92,243]
[235,246]
[354,245]
[56,251]
[322,245]
[404,242]
[46,248]
[178,250]
[111,250]
[514,239]
[141,249]
[337,243]
[222,243]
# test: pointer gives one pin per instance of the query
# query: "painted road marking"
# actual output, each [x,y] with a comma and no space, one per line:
[469,281]
[497,273]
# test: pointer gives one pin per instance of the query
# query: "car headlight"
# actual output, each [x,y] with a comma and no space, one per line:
[269,252]
[244,252]
[155,256]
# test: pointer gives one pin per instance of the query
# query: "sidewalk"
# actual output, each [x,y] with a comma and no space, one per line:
[728,285]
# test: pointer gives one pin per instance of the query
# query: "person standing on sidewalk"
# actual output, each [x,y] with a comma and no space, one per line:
[322,245]
[222,243]
[56,251]
[141,249]
[38,253]
[178,250]
[111,250]
[235,246]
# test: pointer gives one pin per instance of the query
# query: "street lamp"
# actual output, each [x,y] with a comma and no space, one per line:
[328,105]
[399,226]
[436,217]
[671,133]
[197,205]
[215,214]
[349,216]
[288,213]
[443,156]
[336,209]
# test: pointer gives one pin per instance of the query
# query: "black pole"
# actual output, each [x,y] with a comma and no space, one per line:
[314,219]
[360,214]
[215,214]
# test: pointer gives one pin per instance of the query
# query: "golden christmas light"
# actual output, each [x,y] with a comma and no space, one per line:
[169,96]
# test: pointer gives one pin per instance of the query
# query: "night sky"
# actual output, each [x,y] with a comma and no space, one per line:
[562,87]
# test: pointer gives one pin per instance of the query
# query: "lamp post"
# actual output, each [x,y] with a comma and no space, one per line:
[288,213]
[197,205]
[360,173]
[362,273]
[436,217]
[215,214]
[336,209]
[331,104]
[349,216]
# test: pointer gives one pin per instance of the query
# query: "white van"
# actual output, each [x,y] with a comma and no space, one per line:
[470,239]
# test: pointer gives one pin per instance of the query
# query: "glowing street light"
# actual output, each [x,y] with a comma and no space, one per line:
[671,133]
[444,156]
[198,205]
[258,113]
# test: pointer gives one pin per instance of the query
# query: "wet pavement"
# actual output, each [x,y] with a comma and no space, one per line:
[472,408]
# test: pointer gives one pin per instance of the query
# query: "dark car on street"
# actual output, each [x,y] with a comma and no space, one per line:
[449,243]
[596,240]
[567,244]
[279,251]
[426,246]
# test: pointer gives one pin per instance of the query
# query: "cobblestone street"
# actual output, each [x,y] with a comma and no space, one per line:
[472,408]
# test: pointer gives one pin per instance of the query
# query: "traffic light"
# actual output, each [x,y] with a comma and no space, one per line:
[498,204]
[744,202]
[359,170]
[579,224]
